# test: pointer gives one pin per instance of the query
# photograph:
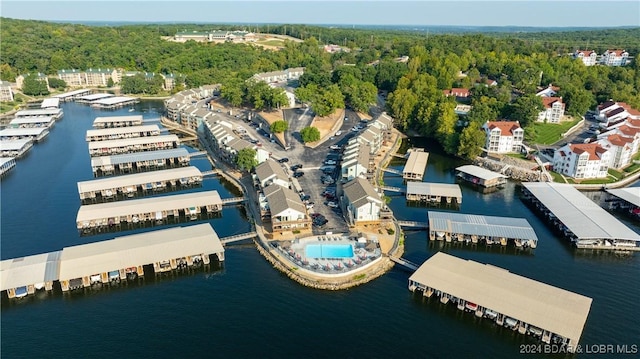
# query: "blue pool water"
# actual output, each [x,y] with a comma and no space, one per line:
[329,251]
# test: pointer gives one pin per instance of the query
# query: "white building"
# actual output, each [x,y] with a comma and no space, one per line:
[503,136]
[549,91]
[270,172]
[355,161]
[588,57]
[622,142]
[553,110]
[6,92]
[362,202]
[614,58]
[285,209]
[293,73]
[581,161]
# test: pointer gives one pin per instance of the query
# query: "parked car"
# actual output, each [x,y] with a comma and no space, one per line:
[298,174]
[283,160]
[296,167]
[330,162]
[335,147]
[338,133]
[332,204]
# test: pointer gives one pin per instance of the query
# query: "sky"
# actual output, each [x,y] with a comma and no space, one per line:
[538,13]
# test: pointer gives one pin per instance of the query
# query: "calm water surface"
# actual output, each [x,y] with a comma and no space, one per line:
[245,308]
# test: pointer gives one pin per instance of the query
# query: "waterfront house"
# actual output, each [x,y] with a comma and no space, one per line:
[293,73]
[588,57]
[553,110]
[622,142]
[285,210]
[363,204]
[503,136]
[270,172]
[582,161]
[6,92]
[614,58]
[356,161]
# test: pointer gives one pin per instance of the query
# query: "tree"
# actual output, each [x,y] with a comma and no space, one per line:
[526,109]
[233,91]
[279,126]
[310,134]
[34,87]
[56,83]
[134,84]
[578,100]
[110,82]
[246,159]
[471,141]
[402,103]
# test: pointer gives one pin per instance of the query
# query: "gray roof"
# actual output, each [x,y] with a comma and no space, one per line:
[138,249]
[39,112]
[280,199]
[581,215]
[35,269]
[95,96]
[137,119]
[29,131]
[114,100]
[32,120]
[434,189]
[539,304]
[481,225]
[4,160]
[359,192]
[122,130]
[71,93]
[14,145]
[123,142]
[139,157]
[480,172]
[239,144]
[631,194]
[138,179]
[417,162]
[269,168]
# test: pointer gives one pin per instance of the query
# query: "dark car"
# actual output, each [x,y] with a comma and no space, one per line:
[296,167]
[306,196]
[298,174]
[283,160]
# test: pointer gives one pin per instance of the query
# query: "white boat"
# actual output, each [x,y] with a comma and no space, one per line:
[490,314]
[510,322]
[535,331]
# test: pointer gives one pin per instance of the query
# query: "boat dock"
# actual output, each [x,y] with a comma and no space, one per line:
[470,228]
[56,113]
[416,165]
[136,144]
[115,102]
[6,164]
[118,133]
[155,209]
[93,97]
[32,122]
[115,260]
[625,199]
[139,161]
[15,148]
[72,95]
[52,102]
[35,133]
[117,121]
[578,218]
[552,314]
[433,192]
[481,176]
[129,186]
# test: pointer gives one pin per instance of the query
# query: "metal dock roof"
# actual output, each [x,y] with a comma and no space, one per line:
[114,100]
[139,157]
[96,145]
[147,205]
[122,130]
[35,269]
[434,189]
[138,249]
[481,225]
[14,145]
[39,112]
[416,163]
[108,119]
[50,102]
[137,179]
[630,194]
[35,119]
[480,172]
[539,304]
[95,96]
[71,93]
[581,215]
[27,131]
[4,160]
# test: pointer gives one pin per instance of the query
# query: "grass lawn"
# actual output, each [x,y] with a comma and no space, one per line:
[518,156]
[598,181]
[556,177]
[616,174]
[271,42]
[634,167]
[548,133]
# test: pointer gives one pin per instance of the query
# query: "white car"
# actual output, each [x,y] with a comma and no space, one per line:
[330,162]
[332,204]
[338,133]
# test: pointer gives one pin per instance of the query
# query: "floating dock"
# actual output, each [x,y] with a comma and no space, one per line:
[552,314]
[139,161]
[470,228]
[15,148]
[480,176]
[36,134]
[32,122]
[130,185]
[625,199]
[52,102]
[416,165]
[72,95]
[56,113]
[6,164]
[578,218]
[155,209]
[433,192]
[111,103]
[130,145]
[117,121]
[118,133]
[93,97]
[23,276]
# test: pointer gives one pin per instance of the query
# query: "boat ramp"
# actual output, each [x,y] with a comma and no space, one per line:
[578,218]
[135,144]
[469,228]
[117,121]
[416,165]
[6,164]
[153,210]
[481,176]
[549,313]
[35,133]
[129,186]
[118,133]
[56,113]
[140,161]
[15,148]
[72,95]
[32,122]
[433,192]
[115,260]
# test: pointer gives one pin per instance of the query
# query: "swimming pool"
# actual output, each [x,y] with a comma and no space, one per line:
[329,251]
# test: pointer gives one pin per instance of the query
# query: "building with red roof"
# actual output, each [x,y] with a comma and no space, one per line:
[503,136]
[581,161]
[588,57]
[614,58]
[553,110]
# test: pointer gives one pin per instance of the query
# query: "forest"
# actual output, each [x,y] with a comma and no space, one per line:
[519,62]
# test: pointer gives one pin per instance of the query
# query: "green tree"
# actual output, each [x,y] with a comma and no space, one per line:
[310,134]
[402,104]
[110,82]
[578,99]
[278,98]
[246,159]
[445,121]
[34,87]
[57,83]
[233,91]
[526,109]
[471,141]
[135,84]
[279,126]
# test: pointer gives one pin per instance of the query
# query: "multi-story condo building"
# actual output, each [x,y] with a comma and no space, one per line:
[581,161]
[363,204]
[614,58]
[503,136]
[553,110]
[588,57]
[6,93]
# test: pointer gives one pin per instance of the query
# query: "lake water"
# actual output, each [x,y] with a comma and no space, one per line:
[246,308]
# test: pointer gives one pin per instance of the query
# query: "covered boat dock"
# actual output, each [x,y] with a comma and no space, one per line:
[552,314]
[578,218]
[118,133]
[433,192]
[416,165]
[117,121]
[93,97]
[32,122]
[15,148]
[56,113]
[155,209]
[481,176]
[136,144]
[36,133]
[130,185]
[123,258]
[52,102]
[72,95]
[488,229]
[6,164]
[111,103]
[23,276]
[625,199]
[139,161]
